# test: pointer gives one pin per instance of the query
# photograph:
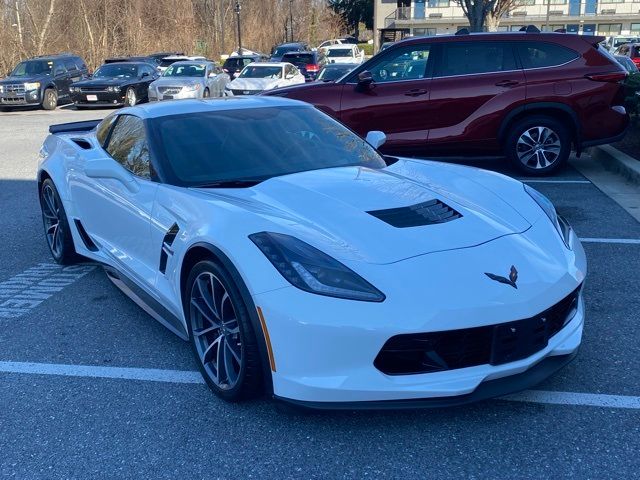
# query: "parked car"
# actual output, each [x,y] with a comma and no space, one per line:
[43,81]
[298,261]
[115,84]
[234,65]
[322,48]
[258,77]
[309,63]
[344,54]
[279,50]
[478,100]
[631,50]
[612,43]
[333,71]
[166,62]
[189,80]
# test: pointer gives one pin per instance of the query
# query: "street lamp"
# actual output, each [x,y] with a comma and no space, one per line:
[237,10]
[291,19]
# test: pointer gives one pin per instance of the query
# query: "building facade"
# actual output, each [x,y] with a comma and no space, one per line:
[395,19]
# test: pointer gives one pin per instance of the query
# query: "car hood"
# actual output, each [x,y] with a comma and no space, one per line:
[176,82]
[254,83]
[31,78]
[98,82]
[302,88]
[329,209]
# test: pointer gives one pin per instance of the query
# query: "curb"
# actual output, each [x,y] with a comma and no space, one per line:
[619,162]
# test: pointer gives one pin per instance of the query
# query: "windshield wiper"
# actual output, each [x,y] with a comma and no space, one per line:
[230,184]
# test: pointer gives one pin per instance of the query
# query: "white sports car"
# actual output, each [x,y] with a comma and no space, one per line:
[299,261]
[258,77]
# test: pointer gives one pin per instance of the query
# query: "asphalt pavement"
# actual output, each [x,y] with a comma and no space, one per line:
[584,422]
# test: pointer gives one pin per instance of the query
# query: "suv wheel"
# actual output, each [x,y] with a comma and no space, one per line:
[538,145]
[50,100]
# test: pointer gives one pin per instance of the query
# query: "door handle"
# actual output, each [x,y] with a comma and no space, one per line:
[507,83]
[416,92]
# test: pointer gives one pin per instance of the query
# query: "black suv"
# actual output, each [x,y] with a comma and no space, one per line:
[43,81]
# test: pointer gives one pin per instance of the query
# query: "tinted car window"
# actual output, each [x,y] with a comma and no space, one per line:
[58,69]
[299,58]
[102,131]
[70,64]
[403,64]
[206,147]
[237,63]
[32,67]
[116,70]
[539,54]
[128,145]
[477,57]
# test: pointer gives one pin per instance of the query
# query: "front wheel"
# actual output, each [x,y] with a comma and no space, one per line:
[50,100]
[538,145]
[130,98]
[222,337]
[56,226]
[206,93]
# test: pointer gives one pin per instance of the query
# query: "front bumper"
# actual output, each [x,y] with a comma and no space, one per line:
[324,349]
[155,96]
[114,99]
[20,98]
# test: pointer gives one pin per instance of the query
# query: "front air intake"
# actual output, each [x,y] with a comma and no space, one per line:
[426,213]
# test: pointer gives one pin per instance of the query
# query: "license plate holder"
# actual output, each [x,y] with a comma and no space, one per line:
[92,98]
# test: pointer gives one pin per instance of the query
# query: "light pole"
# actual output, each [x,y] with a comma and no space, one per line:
[291,20]
[237,10]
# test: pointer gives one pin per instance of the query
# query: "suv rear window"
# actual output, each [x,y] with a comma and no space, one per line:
[477,57]
[540,54]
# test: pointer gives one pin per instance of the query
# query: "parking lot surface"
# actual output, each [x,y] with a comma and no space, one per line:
[78,398]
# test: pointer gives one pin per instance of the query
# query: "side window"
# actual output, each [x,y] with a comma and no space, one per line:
[540,54]
[103,128]
[58,69]
[409,63]
[478,57]
[128,145]
[149,70]
[70,65]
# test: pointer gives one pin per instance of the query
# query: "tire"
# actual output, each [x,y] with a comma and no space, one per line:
[206,93]
[538,145]
[240,377]
[130,98]
[56,226]
[50,99]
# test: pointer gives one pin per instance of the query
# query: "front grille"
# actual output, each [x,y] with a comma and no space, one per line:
[492,344]
[426,213]
[169,90]
[245,92]
[17,88]
[93,89]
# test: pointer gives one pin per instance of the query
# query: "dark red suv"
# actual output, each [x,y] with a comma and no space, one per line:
[527,95]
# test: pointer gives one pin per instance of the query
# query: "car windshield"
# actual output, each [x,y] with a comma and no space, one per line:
[32,67]
[261,72]
[299,59]
[185,70]
[340,52]
[330,73]
[255,144]
[279,51]
[113,70]
[621,41]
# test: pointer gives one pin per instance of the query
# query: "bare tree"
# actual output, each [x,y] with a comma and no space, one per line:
[481,13]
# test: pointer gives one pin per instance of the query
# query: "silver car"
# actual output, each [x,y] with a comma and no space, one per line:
[189,79]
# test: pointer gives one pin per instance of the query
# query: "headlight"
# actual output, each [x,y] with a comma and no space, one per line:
[192,88]
[74,89]
[1,88]
[32,86]
[311,270]
[562,226]
[113,89]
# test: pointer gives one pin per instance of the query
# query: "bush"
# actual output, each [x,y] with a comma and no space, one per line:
[366,47]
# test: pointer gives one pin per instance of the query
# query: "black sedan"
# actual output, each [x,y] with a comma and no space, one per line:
[115,84]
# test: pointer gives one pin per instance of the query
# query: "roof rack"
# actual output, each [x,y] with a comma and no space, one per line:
[463,31]
[530,29]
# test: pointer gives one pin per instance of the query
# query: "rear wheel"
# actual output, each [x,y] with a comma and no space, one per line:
[50,99]
[56,226]
[221,334]
[538,145]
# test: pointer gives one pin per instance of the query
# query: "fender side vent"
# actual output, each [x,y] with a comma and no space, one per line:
[167,242]
[82,143]
[86,239]
[426,213]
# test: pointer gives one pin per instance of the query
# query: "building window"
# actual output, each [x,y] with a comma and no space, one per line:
[610,29]
[635,27]
[420,32]
[552,28]
[438,3]
[611,1]
[503,28]
[516,28]
[558,2]
[523,3]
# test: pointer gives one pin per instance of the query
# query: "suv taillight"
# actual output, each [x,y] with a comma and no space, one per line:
[610,77]
[312,67]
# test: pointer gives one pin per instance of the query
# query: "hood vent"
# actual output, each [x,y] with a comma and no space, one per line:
[426,213]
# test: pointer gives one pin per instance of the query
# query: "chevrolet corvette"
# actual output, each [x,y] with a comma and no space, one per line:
[299,261]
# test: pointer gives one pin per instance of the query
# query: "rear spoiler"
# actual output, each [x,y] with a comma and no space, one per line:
[85,126]
[593,39]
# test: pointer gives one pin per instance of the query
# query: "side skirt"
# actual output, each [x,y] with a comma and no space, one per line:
[146,302]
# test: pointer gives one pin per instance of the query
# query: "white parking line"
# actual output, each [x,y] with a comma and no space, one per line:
[193,377]
[628,241]
[529,180]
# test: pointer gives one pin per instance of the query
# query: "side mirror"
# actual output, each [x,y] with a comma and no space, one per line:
[365,78]
[144,74]
[108,168]
[376,138]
